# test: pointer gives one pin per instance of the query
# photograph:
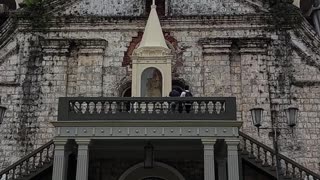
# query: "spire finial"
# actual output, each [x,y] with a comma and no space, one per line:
[153,4]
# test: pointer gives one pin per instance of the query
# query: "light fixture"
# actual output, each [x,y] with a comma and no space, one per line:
[292,115]
[148,155]
[257,115]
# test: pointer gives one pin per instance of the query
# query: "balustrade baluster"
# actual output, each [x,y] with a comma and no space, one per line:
[40,159]
[95,110]
[87,111]
[118,108]
[153,107]
[7,176]
[287,169]
[293,174]
[206,110]
[245,149]
[265,158]
[27,167]
[34,162]
[258,154]
[47,159]
[139,107]
[251,155]
[110,107]
[273,165]
[13,176]
[161,108]
[199,107]
[300,174]
[222,110]
[20,170]
[307,175]
[214,108]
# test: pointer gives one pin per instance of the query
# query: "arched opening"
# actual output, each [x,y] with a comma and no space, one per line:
[127,92]
[151,83]
[160,171]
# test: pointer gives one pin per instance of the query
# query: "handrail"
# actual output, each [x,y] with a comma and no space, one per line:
[146,108]
[268,155]
[36,159]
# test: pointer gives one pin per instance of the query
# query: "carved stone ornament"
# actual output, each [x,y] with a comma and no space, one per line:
[151,52]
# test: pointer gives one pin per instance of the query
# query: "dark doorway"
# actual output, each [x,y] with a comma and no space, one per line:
[161,7]
[127,92]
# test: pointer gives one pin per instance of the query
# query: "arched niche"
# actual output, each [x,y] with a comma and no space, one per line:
[160,171]
[151,82]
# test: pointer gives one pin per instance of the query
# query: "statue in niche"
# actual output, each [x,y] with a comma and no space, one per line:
[154,84]
[311,8]
[316,15]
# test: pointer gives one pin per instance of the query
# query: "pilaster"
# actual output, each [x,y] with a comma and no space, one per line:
[83,159]
[233,164]
[208,147]
[60,162]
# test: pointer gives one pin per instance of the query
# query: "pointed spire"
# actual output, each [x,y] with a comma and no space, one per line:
[153,35]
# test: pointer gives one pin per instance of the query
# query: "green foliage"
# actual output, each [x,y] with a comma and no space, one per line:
[37,14]
[284,14]
[31,3]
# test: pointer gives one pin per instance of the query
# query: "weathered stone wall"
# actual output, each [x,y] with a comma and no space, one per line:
[215,60]
[108,8]
[208,7]
[173,7]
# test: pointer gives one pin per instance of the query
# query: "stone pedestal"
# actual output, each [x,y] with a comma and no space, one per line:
[233,164]
[83,159]
[208,148]
[60,161]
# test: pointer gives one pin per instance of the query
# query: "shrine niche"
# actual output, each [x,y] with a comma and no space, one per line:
[151,83]
[152,61]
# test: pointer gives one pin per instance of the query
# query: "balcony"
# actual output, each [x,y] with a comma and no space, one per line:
[142,108]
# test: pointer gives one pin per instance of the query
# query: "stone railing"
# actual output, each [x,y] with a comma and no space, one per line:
[135,108]
[266,156]
[31,164]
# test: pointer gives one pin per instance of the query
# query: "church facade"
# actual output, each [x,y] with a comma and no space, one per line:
[94,76]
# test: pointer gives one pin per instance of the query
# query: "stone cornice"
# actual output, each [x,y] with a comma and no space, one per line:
[147,131]
[85,46]
[153,123]
[245,45]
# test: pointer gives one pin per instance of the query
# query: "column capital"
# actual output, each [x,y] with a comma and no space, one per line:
[60,141]
[83,141]
[232,141]
[208,141]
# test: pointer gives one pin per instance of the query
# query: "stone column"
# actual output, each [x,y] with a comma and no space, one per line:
[60,162]
[208,147]
[222,169]
[83,159]
[233,164]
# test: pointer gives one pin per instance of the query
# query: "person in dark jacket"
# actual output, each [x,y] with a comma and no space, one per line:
[174,93]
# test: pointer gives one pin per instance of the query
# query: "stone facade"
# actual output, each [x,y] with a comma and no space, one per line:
[225,55]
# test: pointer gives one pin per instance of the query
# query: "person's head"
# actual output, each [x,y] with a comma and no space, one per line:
[186,87]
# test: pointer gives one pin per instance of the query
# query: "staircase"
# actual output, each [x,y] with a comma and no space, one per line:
[264,158]
[31,165]
[251,151]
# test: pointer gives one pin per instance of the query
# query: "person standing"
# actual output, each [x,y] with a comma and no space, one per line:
[174,93]
[187,104]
